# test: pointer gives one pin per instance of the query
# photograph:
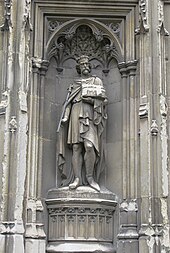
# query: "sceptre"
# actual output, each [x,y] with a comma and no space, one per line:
[64,109]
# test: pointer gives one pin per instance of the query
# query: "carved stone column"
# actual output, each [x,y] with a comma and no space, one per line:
[43,70]
[35,236]
[123,71]
[128,235]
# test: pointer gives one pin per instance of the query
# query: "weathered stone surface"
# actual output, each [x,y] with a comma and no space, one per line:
[132,59]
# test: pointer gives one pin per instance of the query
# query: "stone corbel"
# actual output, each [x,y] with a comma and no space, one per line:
[7,16]
[128,68]
[123,69]
[36,64]
[44,67]
[39,66]
[132,67]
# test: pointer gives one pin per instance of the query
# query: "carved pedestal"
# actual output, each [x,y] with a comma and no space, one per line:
[80,220]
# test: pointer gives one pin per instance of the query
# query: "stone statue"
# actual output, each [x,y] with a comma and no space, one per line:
[85,113]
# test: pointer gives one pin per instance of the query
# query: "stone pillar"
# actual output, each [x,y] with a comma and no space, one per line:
[35,236]
[123,71]
[128,235]
[43,70]
[14,86]
[153,190]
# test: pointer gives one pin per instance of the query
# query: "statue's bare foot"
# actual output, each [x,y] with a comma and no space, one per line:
[93,184]
[75,184]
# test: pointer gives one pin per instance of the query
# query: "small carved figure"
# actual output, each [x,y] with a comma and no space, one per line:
[84,110]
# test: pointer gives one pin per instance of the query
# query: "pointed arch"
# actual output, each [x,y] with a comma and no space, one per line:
[98,29]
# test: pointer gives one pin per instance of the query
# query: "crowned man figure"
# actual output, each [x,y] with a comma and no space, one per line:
[85,115]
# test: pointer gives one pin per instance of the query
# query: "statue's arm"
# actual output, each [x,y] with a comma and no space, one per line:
[67,113]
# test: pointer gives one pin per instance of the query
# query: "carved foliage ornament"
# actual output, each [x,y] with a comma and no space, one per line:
[83,41]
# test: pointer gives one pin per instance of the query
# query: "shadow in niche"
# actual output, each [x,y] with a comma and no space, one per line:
[55,92]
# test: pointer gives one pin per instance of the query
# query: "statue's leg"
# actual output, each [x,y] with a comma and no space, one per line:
[89,159]
[77,161]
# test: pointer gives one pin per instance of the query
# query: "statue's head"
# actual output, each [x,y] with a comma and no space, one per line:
[83,65]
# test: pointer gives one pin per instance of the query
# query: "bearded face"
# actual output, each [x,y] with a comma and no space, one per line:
[85,68]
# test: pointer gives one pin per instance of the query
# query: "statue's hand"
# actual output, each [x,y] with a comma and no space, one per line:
[64,120]
[105,102]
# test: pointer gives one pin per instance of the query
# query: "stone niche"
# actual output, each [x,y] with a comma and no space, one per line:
[102,44]
[83,220]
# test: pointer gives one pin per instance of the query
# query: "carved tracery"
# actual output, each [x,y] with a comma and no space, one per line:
[83,40]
